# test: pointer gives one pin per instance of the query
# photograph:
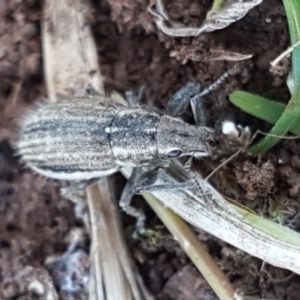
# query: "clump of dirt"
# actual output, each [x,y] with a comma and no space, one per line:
[256,179]
[292,178]
[291,172]
[186,284]
[28,282]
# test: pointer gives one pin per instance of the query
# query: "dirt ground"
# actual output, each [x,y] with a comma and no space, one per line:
[35,220]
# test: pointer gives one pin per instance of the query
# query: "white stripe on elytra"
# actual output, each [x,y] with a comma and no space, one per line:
[117,129]
[75,175]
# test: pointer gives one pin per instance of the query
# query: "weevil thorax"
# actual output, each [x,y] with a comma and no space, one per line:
[133,136]
[175,138]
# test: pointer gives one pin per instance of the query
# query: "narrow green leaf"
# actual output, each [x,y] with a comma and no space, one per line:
[271,228]
[217,4]
[257,106]
[260,107]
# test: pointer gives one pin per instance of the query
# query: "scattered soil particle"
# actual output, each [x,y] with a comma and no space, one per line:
[292,291]
[292,179]
[34,220]
[159,262]
[187,284]
[256,179]
[29,282]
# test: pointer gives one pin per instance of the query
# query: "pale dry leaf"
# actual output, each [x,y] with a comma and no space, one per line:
[228,14]
[231,12]
[205,208]
[186,53]
[216,55]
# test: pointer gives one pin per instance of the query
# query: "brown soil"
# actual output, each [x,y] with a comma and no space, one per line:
[35,221]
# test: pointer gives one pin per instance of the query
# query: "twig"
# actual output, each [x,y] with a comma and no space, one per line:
[283,55]
[194,249]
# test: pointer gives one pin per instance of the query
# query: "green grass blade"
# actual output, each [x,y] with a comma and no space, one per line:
[257,106]
[290,117]
[217,4]
[260,107]
[271,228]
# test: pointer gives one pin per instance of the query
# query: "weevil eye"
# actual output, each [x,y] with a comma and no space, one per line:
[212,143]
[174,153]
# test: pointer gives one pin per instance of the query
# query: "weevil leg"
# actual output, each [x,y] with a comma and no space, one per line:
[76,186]
[190,94]
[199,113]
[126,198]
[90,91]
[148,186]
[134,98]
[147,178]
[137,178]
[189,184]
[75,192]
[181,99]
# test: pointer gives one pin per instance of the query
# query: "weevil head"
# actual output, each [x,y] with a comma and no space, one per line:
[175,138]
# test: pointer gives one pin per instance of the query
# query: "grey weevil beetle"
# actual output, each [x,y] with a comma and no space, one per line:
[83,139]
